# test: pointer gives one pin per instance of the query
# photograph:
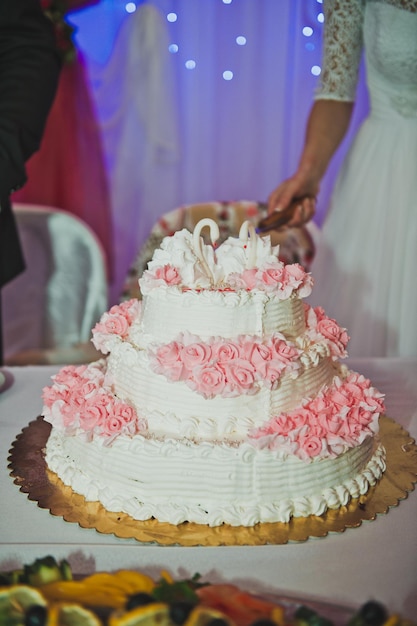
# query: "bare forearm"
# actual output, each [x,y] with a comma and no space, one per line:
[326,127]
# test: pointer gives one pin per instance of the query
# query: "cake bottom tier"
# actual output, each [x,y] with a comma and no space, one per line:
[212,484]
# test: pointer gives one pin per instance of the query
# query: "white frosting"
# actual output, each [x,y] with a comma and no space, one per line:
[167,311]
[212,484]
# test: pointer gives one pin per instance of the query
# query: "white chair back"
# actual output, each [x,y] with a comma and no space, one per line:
[63,291]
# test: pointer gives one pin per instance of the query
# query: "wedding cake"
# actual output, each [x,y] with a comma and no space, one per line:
[220,397]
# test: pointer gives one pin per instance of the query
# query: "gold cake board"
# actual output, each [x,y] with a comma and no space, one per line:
[28,469]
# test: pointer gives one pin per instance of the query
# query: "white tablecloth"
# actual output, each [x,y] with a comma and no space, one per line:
[377,560]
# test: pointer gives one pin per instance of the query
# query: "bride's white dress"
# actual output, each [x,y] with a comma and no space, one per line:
[366,266]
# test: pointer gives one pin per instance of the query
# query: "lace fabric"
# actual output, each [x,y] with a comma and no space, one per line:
[344,41]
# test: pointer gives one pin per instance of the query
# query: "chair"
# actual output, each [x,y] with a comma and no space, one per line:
[296,244]
[50,309]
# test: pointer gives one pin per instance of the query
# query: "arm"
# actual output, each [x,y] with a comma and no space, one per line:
[326,127]
[29,68]
[331,113]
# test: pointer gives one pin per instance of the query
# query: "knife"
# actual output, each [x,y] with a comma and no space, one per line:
[277,219]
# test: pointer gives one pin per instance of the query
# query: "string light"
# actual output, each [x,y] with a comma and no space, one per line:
[190,64]
[130,7]
[227,75]
[172,17]
[241,40]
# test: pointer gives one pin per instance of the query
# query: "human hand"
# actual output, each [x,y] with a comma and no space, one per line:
[301,195]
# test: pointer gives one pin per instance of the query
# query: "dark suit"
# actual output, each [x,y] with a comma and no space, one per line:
[29,67]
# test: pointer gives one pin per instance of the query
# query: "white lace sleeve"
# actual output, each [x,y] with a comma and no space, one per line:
[342,49]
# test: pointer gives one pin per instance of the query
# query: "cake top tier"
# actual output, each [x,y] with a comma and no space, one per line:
[247,262]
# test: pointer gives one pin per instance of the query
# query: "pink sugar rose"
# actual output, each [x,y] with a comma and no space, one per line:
[169,354]
[272,276]
[294,274]
[195,354]
[360,415]
[310,446]
[50,395]
[224,351]
[271,372]
[257,353]
[297,278]
[338,398]
[166,359]
[168,274]
[116,325]
[239,375]
[70,414]
[282,424]
[126,412]
[283,351]
[69,376]
[302,417]
[112,425]
[328,419]
[94,412]
[338,336]
[87,388]
[208,380]
[129,309]
[74,400]
[249,278]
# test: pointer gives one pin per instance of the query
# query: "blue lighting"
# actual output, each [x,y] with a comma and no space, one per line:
[316,70]
[130,7]
[307,31]
[320,18]
[172,17]
[173,48]
[190,64]
[310,46]
[241,40]
[227,75]
[227,1]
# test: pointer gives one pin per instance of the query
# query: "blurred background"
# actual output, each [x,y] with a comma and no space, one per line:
[171,102]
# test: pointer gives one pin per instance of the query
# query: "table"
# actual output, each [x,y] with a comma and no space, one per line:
[378,560]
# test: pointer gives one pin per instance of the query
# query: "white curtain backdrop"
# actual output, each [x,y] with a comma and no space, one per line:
[176,136]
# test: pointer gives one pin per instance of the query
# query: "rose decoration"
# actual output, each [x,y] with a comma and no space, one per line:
[225,367]
[338,418]
[320,327]
[114,325]
[185,262]
[77,403]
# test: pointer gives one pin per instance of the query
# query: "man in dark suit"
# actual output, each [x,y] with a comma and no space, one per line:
[29,68]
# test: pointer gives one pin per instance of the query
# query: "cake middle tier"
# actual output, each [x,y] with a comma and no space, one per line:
[166,312]
[174,409]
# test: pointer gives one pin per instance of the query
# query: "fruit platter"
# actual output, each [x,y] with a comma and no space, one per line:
[45,593]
